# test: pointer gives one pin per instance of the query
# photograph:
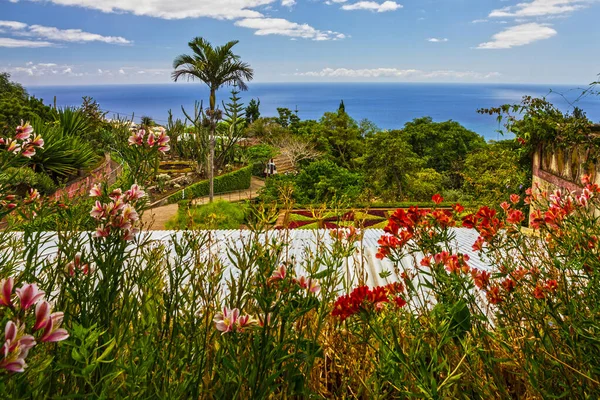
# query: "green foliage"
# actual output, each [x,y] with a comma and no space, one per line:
[258,156]
[236,180]
[65,153]
[252,111]
[218,215]
[323,180]
[288,119]
[19,180]
[492,173]
[266,129]
[442,145]
[230,131]
[339,136]
[388,161]
[423,184]
[17,105]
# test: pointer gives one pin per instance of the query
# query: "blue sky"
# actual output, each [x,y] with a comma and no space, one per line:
[53,42]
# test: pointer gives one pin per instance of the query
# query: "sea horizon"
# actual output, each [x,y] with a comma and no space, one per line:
[387,104]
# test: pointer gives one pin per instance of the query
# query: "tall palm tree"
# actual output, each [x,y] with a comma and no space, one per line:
[215,66]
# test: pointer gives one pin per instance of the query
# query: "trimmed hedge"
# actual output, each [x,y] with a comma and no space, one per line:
[236,180]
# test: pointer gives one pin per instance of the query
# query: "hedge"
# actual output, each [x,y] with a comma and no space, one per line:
[236,180]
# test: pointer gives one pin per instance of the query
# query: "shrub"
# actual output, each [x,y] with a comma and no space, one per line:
[236,180]
[218,215]
[258,156]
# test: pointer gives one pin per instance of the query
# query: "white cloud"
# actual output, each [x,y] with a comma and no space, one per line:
[519,35]
[539,8]
[13,43]
[13,25]
[121,71]
[280,26]
[241,10]
[400,74]
[437,40]
[59,35]
[168,9]
[73,35]
[373,6]
[479,21]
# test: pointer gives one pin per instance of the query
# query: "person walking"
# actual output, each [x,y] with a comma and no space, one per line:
[271,168]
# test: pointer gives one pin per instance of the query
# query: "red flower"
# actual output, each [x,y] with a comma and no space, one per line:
[538,292]
[437,199]
[515,217]
[478,245]
[551,285]
[458,208]
[515,198]
[508,284]
[400,302]
[480,278]
[426,262]
[505,206]
[494,296]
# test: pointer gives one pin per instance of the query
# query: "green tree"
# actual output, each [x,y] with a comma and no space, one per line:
[443,146]
[216,67]
[288,119]
[17,105]
[253,111]
[323,180]
[493,172]
[339,136]
[231,129]
[387,162]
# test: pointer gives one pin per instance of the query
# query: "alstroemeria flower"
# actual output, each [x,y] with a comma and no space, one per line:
[102,231]
[151,141]
[279,274]
[52,331]
[96,191]
[42,314]
[28,151]
[29,294]
[97,210]
[225,321]
[6,288]
[15,348]
[38,142]
[134,193]
[437,199]
[24,131]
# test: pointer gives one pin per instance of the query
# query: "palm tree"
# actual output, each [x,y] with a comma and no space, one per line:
[215,66]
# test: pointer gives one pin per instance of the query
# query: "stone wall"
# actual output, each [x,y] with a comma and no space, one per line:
[108,172]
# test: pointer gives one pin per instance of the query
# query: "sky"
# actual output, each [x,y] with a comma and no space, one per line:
[80,42]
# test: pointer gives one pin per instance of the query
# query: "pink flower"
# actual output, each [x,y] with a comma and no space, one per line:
[164,149]
[96,191]
[97,210]
[130,234]
[29,294]
[225,321]
[24,131]
[52,331]
[279,274]
[134,193]
[42,314]
[102,231]
[13,147]
[15,348]
[151,140]
[76,265]
[28,151]
[116,194]
[312,285]
[38,142]
[6,288]
[163,139]
[33,194]
[129,213]
[245,321]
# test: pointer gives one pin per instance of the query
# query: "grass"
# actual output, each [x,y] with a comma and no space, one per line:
[218,215]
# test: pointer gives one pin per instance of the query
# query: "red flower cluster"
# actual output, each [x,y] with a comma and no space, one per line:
[364,298]
[485,221]
[480,278]
[454,263]
[388,242]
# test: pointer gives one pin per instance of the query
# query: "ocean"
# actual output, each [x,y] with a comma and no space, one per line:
[388,105]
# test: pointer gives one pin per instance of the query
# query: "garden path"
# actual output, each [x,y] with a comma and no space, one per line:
[156,218]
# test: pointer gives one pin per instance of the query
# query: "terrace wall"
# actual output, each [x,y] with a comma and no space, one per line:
[108,172]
